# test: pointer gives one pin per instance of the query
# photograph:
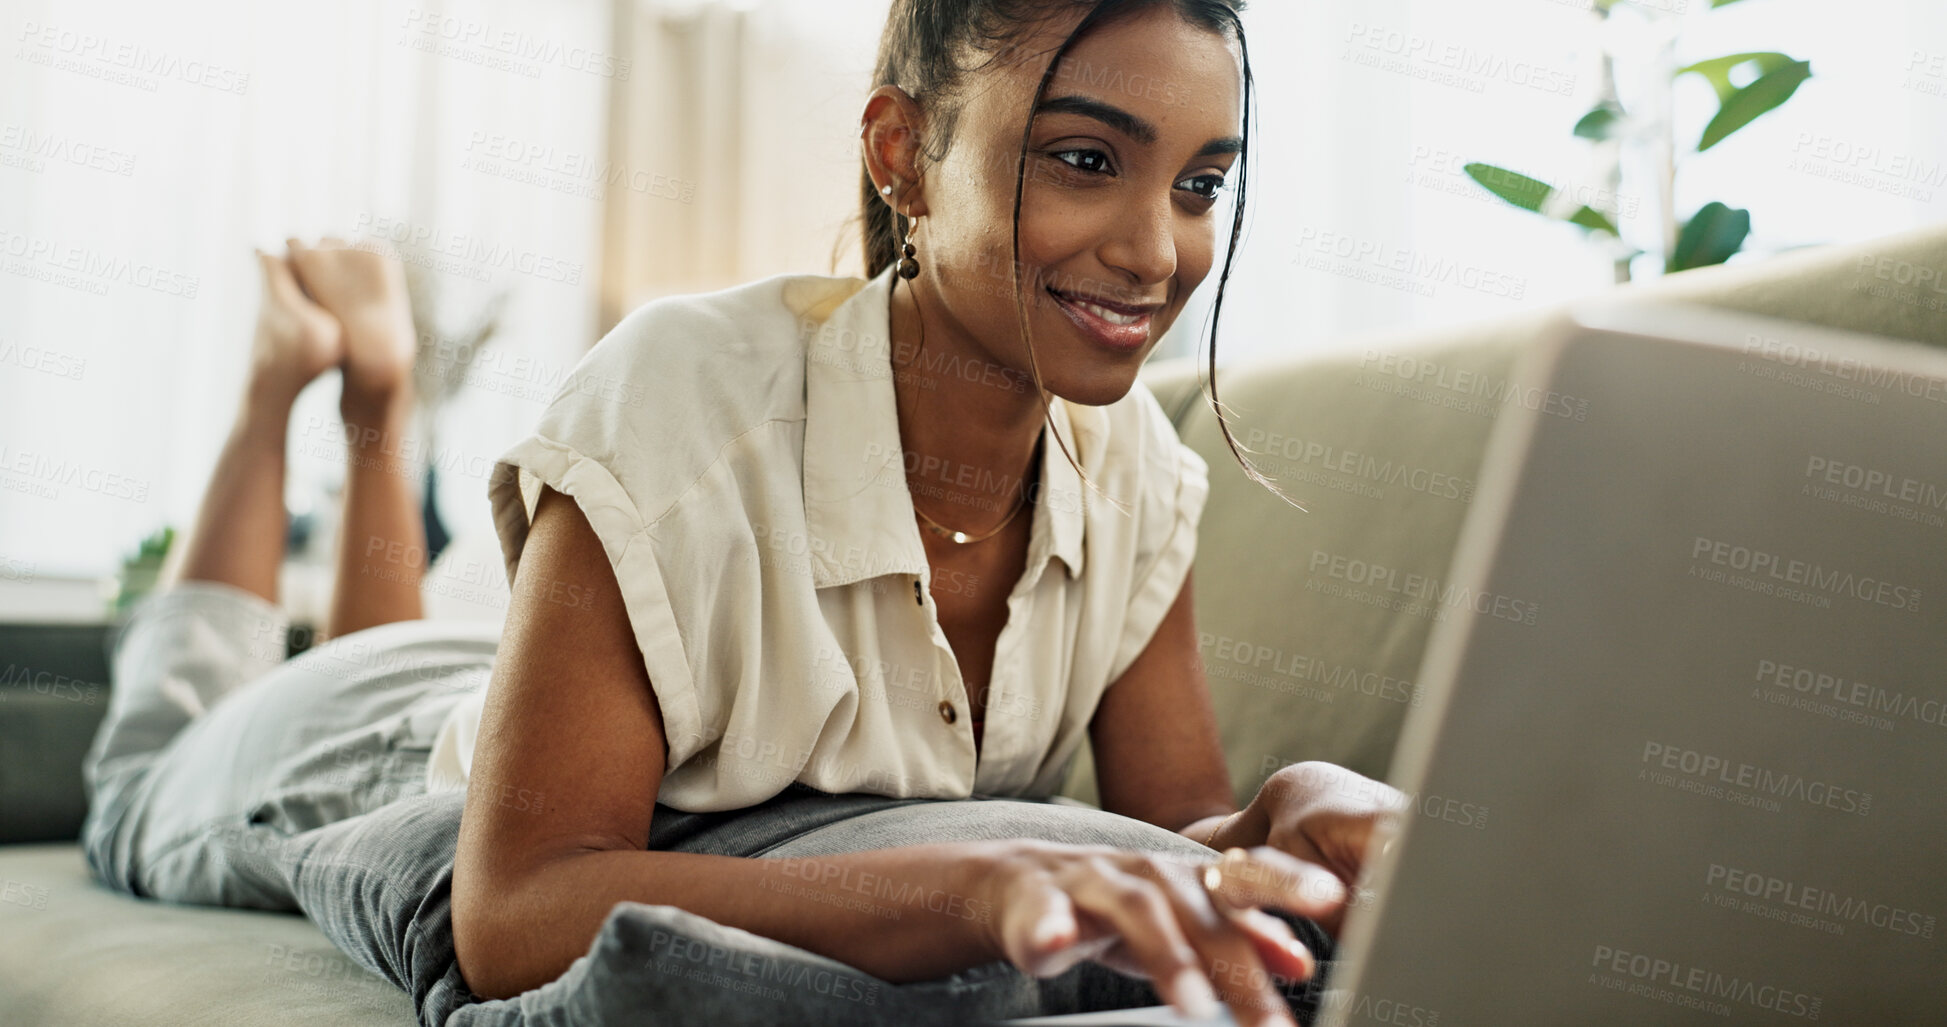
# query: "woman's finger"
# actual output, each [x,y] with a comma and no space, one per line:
[1038,927]
[1283,954]
[1269,878]
[1142,915]
[1233,947]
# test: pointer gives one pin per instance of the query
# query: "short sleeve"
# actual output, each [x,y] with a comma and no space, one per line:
[1166,548]
[562,464]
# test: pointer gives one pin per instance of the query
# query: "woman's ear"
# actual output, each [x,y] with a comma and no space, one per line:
[890,132]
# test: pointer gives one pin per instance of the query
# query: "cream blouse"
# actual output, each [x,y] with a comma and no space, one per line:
[738,455]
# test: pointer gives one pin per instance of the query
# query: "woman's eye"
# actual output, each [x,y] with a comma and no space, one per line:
[1100,160]
[1211,185]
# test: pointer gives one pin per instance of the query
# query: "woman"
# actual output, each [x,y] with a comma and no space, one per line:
[713,537]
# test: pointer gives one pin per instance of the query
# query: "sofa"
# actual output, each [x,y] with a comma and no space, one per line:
[1381,443]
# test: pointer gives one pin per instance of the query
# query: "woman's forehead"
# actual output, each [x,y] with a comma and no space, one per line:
[1153,64]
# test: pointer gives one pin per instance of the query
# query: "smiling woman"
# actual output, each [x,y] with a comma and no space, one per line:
[783,597]
[1069,170]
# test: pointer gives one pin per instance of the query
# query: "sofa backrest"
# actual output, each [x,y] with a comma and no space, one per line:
[1311,637]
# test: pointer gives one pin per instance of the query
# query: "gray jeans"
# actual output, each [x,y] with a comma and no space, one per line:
[226,775]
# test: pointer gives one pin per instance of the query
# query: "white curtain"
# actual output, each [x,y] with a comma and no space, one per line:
[757,105]
[145,148]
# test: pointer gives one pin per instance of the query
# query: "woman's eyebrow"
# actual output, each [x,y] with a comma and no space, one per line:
[1128,124]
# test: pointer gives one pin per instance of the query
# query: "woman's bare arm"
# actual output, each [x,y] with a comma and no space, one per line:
[1157,756]
[563,787]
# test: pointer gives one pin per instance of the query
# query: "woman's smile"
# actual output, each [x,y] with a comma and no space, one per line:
[1123,328]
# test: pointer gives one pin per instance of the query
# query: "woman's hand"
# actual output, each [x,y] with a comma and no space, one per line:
[1324,814]
[1150,915]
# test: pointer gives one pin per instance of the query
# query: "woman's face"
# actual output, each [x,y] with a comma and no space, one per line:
[1137,134]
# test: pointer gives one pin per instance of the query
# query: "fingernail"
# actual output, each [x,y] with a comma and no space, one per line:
[1051,929]
[1194,996]
[1302,954]
[1326,887]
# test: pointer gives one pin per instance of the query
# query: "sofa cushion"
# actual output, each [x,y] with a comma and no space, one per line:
[1382,443]
[76,954]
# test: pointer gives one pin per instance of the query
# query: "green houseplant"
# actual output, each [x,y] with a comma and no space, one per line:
[1748,85]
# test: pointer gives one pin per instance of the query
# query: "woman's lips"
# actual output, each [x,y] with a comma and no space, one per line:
[1113,329]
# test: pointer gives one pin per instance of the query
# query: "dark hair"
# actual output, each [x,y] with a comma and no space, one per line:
[919,52]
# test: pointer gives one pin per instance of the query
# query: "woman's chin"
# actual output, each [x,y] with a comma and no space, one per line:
[1094,386]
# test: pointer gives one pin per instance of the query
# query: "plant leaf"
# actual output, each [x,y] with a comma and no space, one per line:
[1512,186]
[1711,236]
[1589,217]
[1718,69]
[1715,4]
[1599,123]
[1771,89]
[1530,193]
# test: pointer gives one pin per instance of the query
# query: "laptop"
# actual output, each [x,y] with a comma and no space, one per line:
[1713,764]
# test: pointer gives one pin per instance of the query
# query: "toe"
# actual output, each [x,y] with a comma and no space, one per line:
[282,283]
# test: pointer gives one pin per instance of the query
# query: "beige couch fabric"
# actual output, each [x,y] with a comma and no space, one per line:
[75,954]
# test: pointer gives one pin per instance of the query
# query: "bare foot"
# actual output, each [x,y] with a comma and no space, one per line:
[366,291]
[297,340]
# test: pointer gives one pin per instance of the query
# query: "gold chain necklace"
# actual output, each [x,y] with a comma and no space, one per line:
[962,537]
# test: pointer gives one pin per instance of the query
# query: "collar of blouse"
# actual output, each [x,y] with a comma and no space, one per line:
[858,509]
